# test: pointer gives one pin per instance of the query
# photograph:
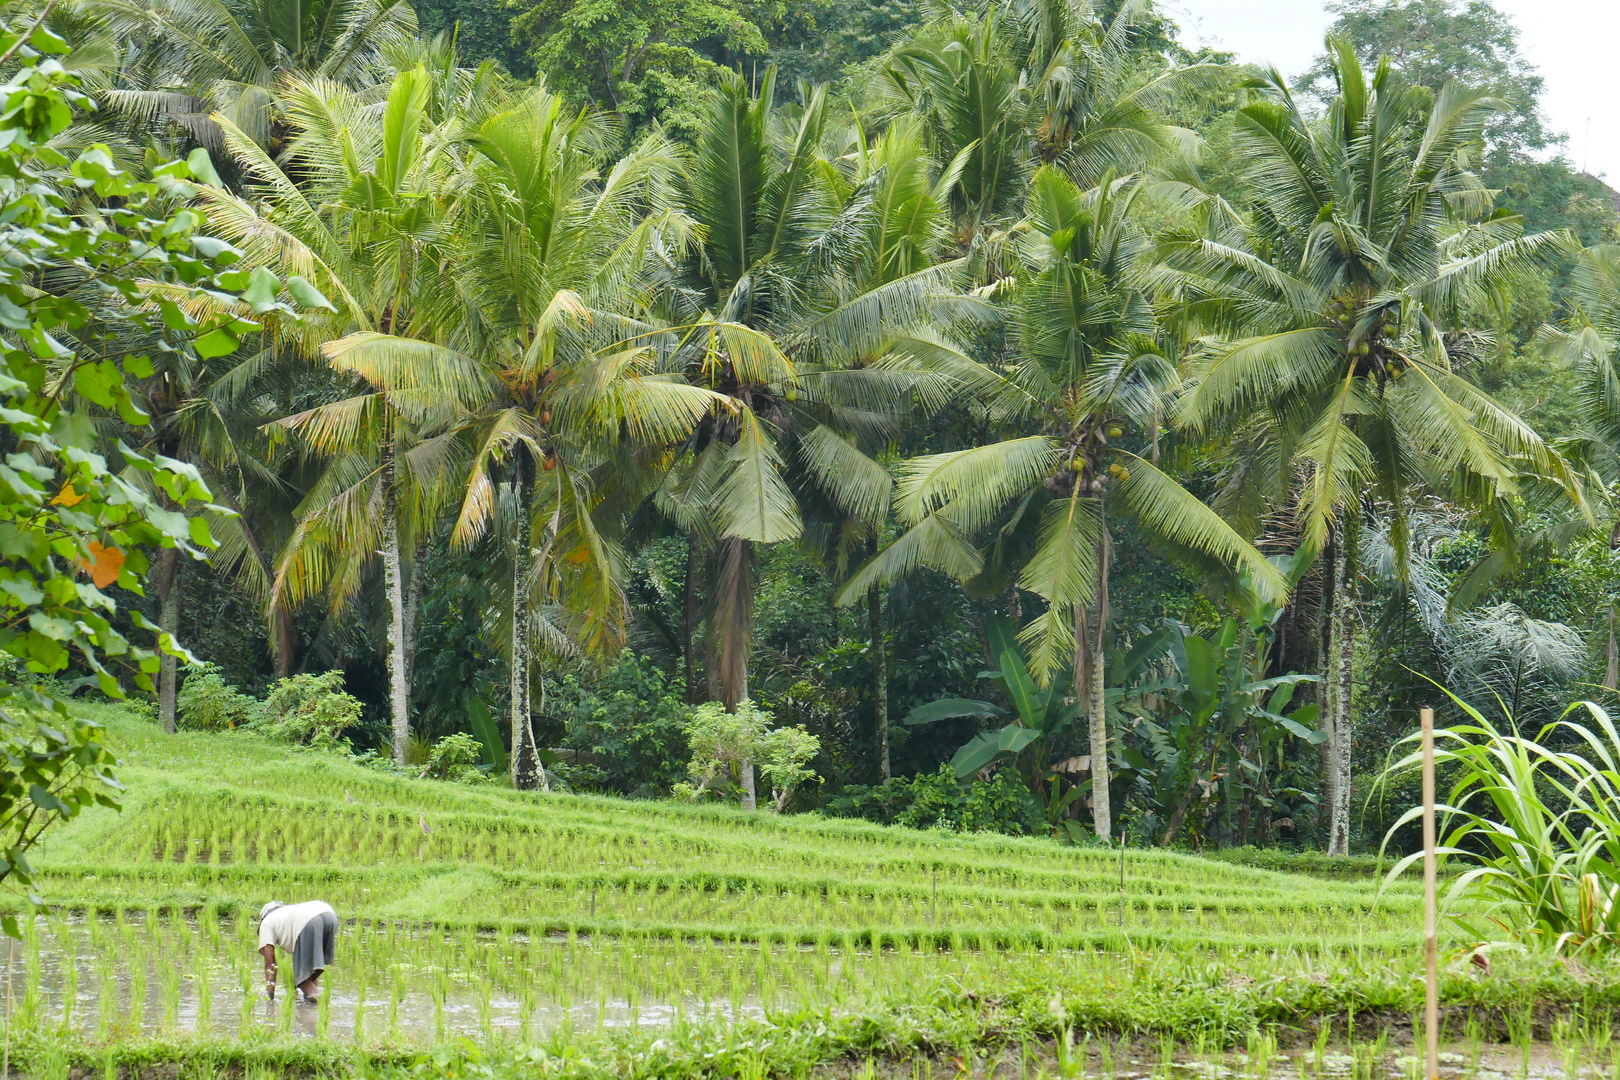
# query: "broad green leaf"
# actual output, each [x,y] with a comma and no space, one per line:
[202,169]
[263,288]
[949,708]
[307,295]
[217,342]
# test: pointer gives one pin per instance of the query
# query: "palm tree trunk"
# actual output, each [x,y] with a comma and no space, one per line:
[734,616]
[413,611]
[1089,686]
[711,663]
[734,613]
[524,757]
[880,676]
[528,772]
[1343,725]
[689,615]
[168,590]
[398,684]
[1329,691]
[283,640]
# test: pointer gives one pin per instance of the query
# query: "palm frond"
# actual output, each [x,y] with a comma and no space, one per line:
[1167,509]
[975,483]
[754,503]
[856,484]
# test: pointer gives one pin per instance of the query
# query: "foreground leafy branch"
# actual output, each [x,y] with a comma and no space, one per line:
[124,253]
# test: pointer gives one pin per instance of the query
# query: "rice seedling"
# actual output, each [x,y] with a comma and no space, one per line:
[542,917]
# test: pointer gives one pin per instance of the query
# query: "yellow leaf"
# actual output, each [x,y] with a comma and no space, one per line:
[68,497]
[108,561]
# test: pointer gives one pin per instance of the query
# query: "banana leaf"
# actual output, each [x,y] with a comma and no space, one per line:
[949,708]
[484,730]
[987,746]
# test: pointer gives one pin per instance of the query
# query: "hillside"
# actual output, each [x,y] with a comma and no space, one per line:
[230,820]
[598,926]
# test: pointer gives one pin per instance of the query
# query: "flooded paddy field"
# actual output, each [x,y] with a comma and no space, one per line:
[164,973]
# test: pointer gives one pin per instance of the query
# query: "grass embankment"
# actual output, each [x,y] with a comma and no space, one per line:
[827,938]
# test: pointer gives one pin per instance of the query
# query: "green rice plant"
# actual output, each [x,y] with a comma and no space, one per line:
[359,1020]
[107,997]
[1260,1051]
[1534,831]
[171,996]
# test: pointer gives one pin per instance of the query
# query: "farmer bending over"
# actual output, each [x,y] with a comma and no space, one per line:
[307,931]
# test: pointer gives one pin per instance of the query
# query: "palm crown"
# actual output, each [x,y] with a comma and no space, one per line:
[1325,318]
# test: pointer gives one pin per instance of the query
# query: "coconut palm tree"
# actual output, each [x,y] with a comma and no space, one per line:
[1027,82]
[363,220]
[187,60]
[1085,369]
[826,241]
[1325,316]
[550,386]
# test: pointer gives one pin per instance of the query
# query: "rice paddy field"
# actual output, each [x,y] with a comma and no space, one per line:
[490,930]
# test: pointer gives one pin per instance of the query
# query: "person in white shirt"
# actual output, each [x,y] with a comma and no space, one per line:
[307,932]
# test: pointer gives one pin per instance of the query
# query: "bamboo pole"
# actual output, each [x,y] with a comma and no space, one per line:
[1122,878]
[1431,994]
[11,948]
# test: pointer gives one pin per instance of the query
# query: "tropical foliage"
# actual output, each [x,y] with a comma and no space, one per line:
[1529,828]
[72,530]
[1100,408]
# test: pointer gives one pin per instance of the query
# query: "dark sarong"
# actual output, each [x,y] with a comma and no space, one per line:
[315,947]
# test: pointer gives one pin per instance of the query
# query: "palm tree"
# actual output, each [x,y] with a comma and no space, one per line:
[546,378]
[1027,82]
[826,243]
[363,223]
[1086,367]
[1325,314]
[197,58]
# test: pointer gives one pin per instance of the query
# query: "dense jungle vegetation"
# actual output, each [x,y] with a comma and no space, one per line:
[737,540]
[997,418]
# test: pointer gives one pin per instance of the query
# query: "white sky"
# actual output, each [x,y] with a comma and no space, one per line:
[1572,42]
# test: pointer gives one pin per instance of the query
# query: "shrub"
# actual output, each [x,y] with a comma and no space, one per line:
[1002,804]
[456,757]
[938,800]
[722,741]
[630,726]
[208,703]
[310,710]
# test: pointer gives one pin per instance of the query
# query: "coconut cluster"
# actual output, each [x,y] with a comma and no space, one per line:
[1083,469]
[1373,351]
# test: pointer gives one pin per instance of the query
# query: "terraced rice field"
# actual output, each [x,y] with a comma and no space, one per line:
[483,911]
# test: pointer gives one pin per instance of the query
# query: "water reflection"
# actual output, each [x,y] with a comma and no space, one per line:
[172,977]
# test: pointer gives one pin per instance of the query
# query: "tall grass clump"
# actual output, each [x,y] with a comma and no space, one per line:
[1530,828]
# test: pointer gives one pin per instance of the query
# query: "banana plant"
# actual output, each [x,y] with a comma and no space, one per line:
[1209,724]
[1039,714]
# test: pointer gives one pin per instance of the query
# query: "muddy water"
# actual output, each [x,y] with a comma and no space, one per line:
[1574,1060]
[163,976]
